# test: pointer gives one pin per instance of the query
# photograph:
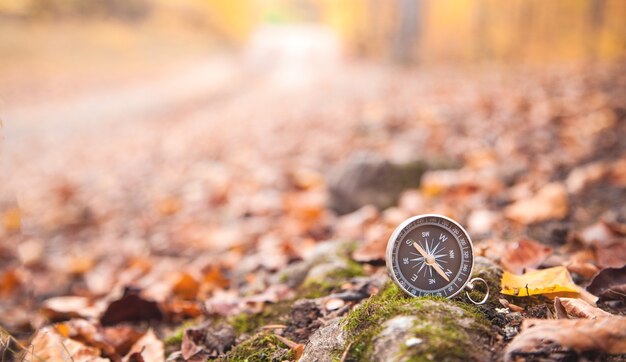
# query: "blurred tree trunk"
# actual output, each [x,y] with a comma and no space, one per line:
[596,14]
[405,45]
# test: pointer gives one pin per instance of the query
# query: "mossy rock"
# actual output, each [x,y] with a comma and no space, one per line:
[447,330]
[261,347]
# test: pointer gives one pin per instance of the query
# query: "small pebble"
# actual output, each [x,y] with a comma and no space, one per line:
[413,342]
[334,304]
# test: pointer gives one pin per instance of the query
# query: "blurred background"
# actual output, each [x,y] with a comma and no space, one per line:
[144,133]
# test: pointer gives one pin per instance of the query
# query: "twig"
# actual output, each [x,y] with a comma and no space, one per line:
[344,355]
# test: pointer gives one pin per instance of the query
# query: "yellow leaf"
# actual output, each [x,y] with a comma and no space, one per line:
[552,282]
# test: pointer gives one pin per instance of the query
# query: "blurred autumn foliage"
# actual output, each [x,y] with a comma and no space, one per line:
[462,31]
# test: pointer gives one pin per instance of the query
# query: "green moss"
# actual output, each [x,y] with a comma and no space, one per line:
[261,347]
[316,288]
[245,323]
[443,333]
[176,337]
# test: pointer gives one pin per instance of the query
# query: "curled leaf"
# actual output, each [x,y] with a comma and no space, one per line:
[609,284]
[148,348]
[49,345]
[577,308]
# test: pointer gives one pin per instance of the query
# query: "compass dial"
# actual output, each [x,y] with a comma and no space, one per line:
[430,255]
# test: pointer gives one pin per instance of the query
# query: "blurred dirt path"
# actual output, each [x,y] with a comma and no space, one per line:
[279,58]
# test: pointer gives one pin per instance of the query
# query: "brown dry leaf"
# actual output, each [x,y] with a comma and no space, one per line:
[582,176]
[182,308]
[586,270]
[598,233]
[63,308]
[131,307]
[307,179]
[12,220]
[552,281]
[353,225]
[606,335]
[214,278]
[577,308]
[49,345]
[121,338]
[609,284]
[523,255]
[549,203]
[169,206]
[10,280]
[618,172]
[148,348]
[186,286]
[611,254]
[30,252]
[374,246]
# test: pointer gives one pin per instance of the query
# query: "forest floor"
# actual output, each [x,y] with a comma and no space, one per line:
[193,212]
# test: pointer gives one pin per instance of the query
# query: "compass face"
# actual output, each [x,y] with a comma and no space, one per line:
[430,255]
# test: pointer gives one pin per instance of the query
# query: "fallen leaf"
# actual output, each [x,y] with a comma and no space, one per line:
[169,206]
[546,281]
[63,308]
[375,244]
[182,309]
[30,251]
[586,270]
[582,176]
[10,280]
[611,254]
[186,286]
[482,221]
[131,307]
[598,233]
[354,224]
[577,308]
[12,219]
[121,337]
[147,349]
[609,284]
[541,336]
[523,255]
[49,345]
[549,203]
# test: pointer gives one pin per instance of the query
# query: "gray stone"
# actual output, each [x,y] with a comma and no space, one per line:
[325,344]
[396,331]
[368,179]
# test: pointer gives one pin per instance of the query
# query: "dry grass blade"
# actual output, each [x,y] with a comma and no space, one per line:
[296,347]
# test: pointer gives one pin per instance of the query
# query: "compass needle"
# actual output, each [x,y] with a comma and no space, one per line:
[440,271]
[420,250]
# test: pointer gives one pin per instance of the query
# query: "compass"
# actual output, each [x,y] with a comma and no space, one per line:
[432,255]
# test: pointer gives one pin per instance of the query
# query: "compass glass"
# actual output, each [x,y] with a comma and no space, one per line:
[430,255]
